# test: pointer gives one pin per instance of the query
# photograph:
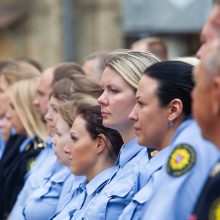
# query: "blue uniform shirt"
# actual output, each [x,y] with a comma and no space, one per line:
[151,171]
[121,188]
[183,176]
[70,185]
[42,203]
[74,205]
[43,167]
[2,145]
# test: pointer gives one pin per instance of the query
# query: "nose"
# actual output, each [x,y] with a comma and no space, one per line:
[53,139]
[48,116]
[66,149]
[133,114]
[36,102]
[200,52]
[102,100]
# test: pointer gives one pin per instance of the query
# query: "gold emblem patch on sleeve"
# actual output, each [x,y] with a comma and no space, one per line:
[181,160]
[30,163]
[214,213]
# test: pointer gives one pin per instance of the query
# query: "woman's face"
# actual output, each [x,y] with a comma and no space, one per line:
[82,154]
[52,115]
[60,140]
[3,95]
[151,120]
[117,101]
[16,123]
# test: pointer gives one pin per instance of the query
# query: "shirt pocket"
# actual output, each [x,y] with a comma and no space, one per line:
[111,201]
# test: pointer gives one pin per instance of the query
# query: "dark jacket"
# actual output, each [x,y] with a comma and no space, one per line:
[13,168]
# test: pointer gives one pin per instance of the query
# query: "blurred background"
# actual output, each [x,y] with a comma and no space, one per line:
[51,31]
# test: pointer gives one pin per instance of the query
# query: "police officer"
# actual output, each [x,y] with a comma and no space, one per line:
[184,174]
[206,100]
[158,113]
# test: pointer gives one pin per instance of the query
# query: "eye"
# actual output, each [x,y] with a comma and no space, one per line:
[140,103]
[114,91]
[73,137]
[12,106]
[55,109]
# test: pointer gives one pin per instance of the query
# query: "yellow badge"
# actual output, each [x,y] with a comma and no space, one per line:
[30,163]
[215,170]
[154,153]
[181,160]
[214,213]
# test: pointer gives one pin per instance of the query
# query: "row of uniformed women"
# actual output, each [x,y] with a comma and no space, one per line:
[164,156]
[17,80]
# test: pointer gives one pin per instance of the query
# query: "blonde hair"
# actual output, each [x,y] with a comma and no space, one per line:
[69,109]
[13,71]
[22,94]
[130,64]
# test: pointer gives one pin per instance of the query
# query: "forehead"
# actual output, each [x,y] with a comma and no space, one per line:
[215,15]
[54,101]
[147,86]
[46,79]
[78,124]
[62,125]
[110,75]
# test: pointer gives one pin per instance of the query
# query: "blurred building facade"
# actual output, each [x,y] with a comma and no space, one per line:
[53,31]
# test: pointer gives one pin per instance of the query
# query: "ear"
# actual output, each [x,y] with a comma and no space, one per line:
[175,109]
[101,143]
[215,95]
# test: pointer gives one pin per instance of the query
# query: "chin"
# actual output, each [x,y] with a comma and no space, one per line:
[106,123]
[140,141]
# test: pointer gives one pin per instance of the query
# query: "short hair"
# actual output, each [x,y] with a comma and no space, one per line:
[216,2]
[130,65]
[174,81]
[94,126]
[64,88]
[149,43]
[13,70]
[22,94]
[31,61]
[68,109]
[66,69]
[100,57]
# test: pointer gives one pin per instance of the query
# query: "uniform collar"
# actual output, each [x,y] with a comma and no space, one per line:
[98,181]
[49,142]
[182,127]
[127,152]
[25,143]
[159,159]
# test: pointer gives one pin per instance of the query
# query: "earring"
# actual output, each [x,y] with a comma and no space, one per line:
[170,123]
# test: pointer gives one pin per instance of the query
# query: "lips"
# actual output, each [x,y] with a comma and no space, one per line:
[136,130]
[104,114]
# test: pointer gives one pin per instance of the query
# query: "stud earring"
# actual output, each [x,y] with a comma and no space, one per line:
[170,123]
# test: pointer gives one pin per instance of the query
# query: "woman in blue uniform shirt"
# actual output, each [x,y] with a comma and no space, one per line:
[163,103]
[92,153]
[191,156]
[42,203]
[120,78]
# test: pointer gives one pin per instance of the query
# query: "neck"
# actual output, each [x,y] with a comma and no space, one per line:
[126,131]
[101,165]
